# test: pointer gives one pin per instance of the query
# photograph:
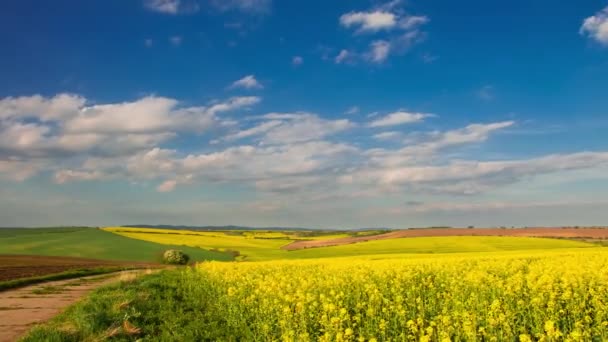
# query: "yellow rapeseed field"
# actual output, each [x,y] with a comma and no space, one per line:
[551,296]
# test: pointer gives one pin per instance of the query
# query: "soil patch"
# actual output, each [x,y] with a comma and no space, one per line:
[26,266]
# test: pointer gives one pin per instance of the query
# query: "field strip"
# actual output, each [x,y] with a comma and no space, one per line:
[22,308]
[582,233]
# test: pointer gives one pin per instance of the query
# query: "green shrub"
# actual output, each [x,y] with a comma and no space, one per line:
[175,257]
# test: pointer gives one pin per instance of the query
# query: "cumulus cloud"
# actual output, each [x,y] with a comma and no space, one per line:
[247,82]
[352,110]
[172,7]
[426,146]
[343,57]
[167,186]
[281,128]
[399,118]
[301,156]
[472,177]
[39,133]
[379,51]
[163,6]
[399,31]
[297,60]
[596,27]
[369,21]
[387,135]
[176,40]
[246,6]
[42,108]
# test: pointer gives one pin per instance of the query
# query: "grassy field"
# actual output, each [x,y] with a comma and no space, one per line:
[250,248]
[91,243]
[261,246]
[438,245]
[492,296]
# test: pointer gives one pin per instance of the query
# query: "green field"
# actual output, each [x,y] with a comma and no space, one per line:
[91,243]
[438,245]
[259,248]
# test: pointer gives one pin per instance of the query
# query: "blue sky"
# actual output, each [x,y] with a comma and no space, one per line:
[320,114]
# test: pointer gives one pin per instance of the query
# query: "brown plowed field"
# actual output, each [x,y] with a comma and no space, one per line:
[26,266]
[580,233]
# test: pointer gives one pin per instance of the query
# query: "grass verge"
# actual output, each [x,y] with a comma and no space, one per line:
[156,307]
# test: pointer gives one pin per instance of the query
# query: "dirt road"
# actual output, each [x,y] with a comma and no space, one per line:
[22,308]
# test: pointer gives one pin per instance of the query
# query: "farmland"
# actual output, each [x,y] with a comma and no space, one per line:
[90,243]
[259,246]
[504,296]
[376,288]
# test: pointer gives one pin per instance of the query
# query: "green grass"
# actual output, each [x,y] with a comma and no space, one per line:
[158,305]
[91,243]
[11,284]
[438,245]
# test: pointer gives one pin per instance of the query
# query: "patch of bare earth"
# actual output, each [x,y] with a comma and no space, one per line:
[22,308]
[26,266]
[570,233]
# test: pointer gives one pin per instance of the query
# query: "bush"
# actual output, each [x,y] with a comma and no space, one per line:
[175,257]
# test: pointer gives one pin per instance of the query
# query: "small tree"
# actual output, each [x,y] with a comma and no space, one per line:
[175,257]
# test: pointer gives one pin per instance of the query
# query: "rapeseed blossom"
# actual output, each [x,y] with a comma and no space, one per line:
[502,297]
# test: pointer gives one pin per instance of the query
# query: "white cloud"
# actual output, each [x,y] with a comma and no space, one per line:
[413,21]
[399,31]
[150,115]
[379,51]
[343,56]
[282,157]
[148,42]
[425,149]
[399,118]
[20,170]
[254,131]
[247,6]
[472,177]
[45,109]
[175,40]
[486,93]
[38,133]
[167,186]
[65,176]
[247,82]
[234,103]
[391,135]
[297,60]
[163,6]
[172,7]
[352,110]
[284,128]
[369,21]
[278,168]
[596,27]
[428,58]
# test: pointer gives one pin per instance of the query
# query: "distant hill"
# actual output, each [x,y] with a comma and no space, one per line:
[229,227]
[233,227]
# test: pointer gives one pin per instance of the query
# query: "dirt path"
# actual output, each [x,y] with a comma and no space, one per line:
[22,308]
